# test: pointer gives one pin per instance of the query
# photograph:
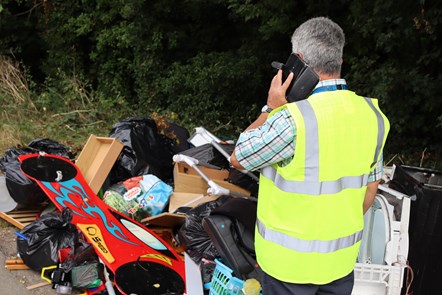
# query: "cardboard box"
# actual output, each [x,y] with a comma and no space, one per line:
[190,190]
[172,219]
[187,180]
[97,158]
[178,199]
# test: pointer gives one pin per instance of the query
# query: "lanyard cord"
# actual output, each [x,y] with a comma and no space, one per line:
[330,88]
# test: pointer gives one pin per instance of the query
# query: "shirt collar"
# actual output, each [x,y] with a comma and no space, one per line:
[331,82]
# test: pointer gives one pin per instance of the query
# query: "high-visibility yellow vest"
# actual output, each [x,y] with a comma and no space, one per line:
[310,212]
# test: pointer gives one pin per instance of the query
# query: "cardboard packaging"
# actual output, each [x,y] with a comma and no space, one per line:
[190,190]
[177,199]
[97,158]
[187,180]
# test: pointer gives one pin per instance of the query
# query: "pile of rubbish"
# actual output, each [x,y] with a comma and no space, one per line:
[133,210]
[141,212]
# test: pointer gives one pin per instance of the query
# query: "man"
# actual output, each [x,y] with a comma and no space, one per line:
[321,163]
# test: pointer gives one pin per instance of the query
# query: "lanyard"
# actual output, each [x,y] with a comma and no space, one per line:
[330,88]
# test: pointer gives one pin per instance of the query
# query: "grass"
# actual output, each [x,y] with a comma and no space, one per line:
[26,116]
[64,111]
[4,224]
[15,101]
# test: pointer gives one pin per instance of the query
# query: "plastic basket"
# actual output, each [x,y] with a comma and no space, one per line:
[223,282]
[378,279]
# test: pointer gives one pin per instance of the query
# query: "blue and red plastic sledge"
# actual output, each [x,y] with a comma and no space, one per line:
[140,261]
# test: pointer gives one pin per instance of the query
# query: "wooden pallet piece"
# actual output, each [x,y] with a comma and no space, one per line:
[38,285]
[15,264]
[21,218]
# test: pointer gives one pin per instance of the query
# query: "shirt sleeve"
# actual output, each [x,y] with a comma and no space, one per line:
[272,142]
[377,172]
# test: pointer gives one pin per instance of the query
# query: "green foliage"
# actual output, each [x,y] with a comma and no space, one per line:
[211,88]
[208,62]
[395,56]
[19,37]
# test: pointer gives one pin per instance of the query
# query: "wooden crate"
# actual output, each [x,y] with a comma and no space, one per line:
[22,217]
[97,158]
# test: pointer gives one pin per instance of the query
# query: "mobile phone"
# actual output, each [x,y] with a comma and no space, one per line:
[304,80]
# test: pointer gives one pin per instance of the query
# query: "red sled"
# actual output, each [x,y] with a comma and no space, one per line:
[141,262]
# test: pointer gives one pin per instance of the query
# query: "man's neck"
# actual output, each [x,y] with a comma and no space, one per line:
[328,76]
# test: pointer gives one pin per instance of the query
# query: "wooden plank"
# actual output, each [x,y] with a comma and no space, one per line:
[14,261]
[38,285]
[11,220]
[19,221]
[16,266]
[26,219]
[22,217]
[21,212]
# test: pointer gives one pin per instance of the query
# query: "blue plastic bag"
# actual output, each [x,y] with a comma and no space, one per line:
[139,197]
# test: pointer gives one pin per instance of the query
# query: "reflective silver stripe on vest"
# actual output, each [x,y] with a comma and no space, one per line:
[310,246]
[314,188]
[311,141]
[381,130]
[310,185]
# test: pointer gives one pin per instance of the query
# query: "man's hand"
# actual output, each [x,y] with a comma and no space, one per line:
[275,99]
[278,90]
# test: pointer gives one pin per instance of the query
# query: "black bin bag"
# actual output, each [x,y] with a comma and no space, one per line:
[208,154]
[425,226]
[192,235]
[41,239]
[145,150]
[23,190]
[231,228]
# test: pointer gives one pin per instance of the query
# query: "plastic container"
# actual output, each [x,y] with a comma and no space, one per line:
[384,245]
[425,185]
[223,282]
[378,279]
[369,279]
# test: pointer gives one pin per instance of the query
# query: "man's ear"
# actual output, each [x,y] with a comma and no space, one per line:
[300,55]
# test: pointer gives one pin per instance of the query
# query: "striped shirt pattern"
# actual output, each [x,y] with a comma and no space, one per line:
[275,141]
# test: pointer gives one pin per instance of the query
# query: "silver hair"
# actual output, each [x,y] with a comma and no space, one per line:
[321,43]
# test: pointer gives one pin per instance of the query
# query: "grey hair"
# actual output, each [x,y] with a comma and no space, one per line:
[321,43]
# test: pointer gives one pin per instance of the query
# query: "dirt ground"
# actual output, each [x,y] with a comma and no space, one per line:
[15,282]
